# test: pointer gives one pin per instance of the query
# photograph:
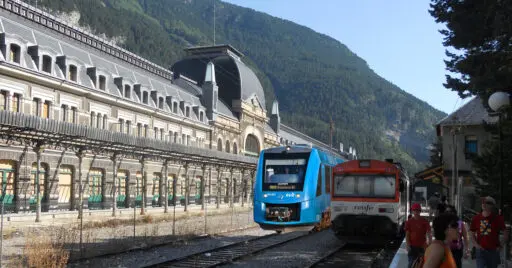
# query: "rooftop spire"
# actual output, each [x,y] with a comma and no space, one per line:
[210,73]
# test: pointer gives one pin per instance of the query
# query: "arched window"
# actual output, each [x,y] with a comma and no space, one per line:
[227,147]
[219,145]
[235,148]
[252,145]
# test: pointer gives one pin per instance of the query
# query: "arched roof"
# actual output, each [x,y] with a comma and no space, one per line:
[250,83]
[230,73]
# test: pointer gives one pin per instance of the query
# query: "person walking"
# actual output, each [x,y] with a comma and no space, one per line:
[457,246]
[433,202]
[485,229]
[438,254]
[417,229]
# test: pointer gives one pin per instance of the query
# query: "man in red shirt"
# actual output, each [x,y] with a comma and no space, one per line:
[417,229]
[485,230]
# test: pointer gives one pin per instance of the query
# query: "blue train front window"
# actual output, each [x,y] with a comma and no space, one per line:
[372,186]
[284,174]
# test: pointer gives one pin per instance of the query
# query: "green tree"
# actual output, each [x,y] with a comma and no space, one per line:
[480,32]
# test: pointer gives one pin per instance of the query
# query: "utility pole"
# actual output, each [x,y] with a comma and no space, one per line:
[454,167]
[213,22]
[331,128]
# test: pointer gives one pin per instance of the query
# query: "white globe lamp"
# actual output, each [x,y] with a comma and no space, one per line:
[499,100]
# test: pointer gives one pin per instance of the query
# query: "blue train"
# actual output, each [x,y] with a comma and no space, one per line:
[292,188]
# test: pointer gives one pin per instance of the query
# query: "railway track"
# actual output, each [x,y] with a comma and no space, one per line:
[165,243]
[229,253]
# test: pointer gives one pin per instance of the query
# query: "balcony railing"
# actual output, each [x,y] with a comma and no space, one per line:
[49,131]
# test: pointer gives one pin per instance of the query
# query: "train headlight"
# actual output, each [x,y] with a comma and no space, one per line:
[298,195]
[265,195]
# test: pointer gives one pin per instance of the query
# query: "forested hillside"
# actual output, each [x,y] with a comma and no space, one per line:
[313,76]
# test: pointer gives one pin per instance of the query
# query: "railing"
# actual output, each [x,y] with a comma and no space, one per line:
[52,131]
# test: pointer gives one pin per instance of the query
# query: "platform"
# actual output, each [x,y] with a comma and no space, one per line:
[400,260]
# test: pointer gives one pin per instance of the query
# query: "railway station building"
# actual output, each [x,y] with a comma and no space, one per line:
[79,115]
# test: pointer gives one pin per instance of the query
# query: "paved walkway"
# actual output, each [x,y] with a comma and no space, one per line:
[400,260]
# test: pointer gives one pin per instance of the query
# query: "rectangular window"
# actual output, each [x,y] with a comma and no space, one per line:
[139,130]
[471,146]
[3,101]
[319,182]
[102,82]
[35,107]
[74,115]
[367,186]
[46,109]
[15,107]
[63,111]
[328,173]
[14,53]
[284,172]
[128,127]
[121,125]
[72,73]
[47,64]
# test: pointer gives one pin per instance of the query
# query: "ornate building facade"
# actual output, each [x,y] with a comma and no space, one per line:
[204,121]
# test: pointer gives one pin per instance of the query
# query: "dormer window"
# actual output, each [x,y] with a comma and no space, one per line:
[72,73]
[15,53]
[201,116]
[187,111]
[102,82]
[127,91]
[145,97]
[175,107]
[47,64]
[161,103]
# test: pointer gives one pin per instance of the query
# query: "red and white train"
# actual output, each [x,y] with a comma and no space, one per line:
[369,201]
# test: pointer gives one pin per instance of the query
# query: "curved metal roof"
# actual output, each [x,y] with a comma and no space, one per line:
[250,84]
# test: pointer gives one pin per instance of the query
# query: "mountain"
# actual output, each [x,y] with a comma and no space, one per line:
[312,75]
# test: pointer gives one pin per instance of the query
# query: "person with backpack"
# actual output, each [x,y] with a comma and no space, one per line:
[438,253]
[417,228]
[485,230]
[458,246]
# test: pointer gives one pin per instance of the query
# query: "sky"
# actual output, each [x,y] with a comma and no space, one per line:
[398,39]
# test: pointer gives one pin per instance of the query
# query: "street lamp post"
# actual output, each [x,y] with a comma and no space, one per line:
[498,101]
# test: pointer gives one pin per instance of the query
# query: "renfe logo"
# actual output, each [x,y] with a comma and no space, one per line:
[363,208]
